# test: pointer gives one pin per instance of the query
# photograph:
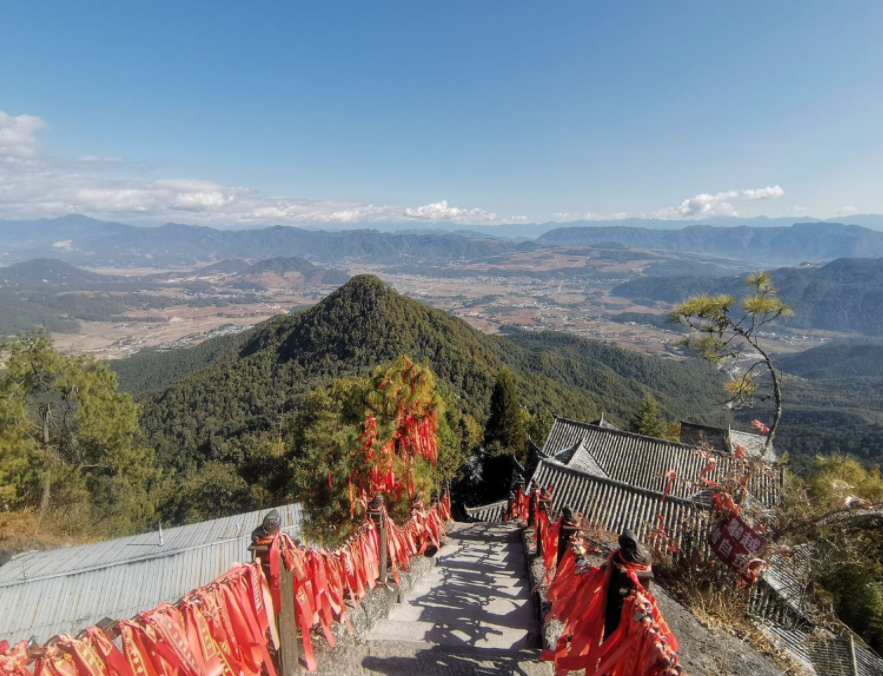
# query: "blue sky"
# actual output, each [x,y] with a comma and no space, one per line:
[476,112]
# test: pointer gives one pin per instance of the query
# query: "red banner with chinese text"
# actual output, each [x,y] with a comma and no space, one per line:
[737,545]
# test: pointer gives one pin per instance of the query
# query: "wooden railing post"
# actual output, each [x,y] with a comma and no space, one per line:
[377,511]
[533,506]
[286,620]
[569,526]
[543,506]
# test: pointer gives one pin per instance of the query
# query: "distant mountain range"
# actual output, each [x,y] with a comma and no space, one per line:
[844,295]
[84,241]
[793,244]
[54,294]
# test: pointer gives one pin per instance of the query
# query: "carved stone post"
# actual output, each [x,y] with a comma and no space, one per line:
[377,512]
[286,621]
[569,526]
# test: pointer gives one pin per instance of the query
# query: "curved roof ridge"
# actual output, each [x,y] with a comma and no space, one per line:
[635,435]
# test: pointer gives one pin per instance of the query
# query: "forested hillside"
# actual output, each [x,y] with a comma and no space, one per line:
[844,295]
[838,359]
[833,401]
[247,393]
[151,371]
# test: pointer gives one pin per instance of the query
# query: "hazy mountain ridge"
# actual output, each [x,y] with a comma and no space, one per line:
[844,295]
[185,245]
[86,241]
[794,244]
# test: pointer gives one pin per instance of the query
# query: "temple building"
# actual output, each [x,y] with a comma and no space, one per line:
[620,480]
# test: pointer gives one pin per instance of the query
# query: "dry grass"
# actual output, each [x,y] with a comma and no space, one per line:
[711,592]
[22,531]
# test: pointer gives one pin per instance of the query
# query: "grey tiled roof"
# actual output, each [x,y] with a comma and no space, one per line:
[491,512]
[603,422]
[643,461]
[534,455]
[615,505]
[753,444]
[697,435]
[579,458]
[67,589]
[725,440]
[820,653]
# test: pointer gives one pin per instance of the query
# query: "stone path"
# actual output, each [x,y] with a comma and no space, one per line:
[471,614]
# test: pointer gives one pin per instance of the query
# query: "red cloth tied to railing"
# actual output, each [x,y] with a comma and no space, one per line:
[226,627]
[324,579]
[218,630]
[641,645]
[548,533]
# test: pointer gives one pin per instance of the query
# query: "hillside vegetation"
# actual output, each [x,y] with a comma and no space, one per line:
[834,402]
[838,359]
[250,391]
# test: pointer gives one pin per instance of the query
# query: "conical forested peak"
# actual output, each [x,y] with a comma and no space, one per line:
[213,413]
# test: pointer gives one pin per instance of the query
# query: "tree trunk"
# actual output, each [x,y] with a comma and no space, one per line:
[46,411]
[777,396]
[44,497]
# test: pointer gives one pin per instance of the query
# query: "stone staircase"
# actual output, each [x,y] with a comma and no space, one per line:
[471,614]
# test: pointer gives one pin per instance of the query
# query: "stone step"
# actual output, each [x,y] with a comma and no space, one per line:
[397,658]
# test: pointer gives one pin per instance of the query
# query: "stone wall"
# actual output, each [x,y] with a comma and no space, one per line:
[376,606]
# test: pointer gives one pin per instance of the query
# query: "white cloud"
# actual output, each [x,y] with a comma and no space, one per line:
[36,186]
[770,192]
[719,204]
[99,160]
[17,140]
[442,211]
[566,216]
[845,211]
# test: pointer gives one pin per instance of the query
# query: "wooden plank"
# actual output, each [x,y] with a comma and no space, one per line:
[287,625]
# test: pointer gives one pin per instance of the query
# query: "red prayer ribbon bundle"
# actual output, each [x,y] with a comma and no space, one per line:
[642,644]
[218,630]
[325,579]
[226,627]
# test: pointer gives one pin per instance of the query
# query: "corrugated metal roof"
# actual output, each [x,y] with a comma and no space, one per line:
[67,589]
[643,461]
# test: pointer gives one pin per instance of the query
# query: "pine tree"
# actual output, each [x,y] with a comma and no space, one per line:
[505,429]
[350,436]
[540,425]
[70,443]
[647,421]
[721,336]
